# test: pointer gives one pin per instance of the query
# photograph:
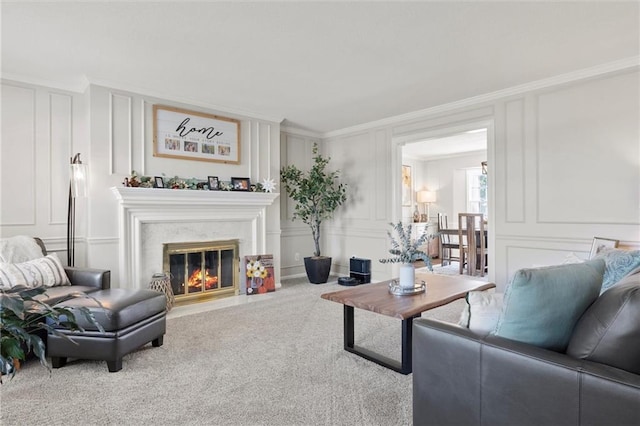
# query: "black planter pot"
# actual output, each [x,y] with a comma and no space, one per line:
[318,269]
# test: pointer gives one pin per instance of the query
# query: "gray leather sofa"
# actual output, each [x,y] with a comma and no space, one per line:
[83,280]
[461,378]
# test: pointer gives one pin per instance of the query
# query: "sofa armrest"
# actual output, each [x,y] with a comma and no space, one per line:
[446,366]
[98,278]
[463,378]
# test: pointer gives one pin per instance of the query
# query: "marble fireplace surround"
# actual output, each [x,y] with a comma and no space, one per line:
[150,217]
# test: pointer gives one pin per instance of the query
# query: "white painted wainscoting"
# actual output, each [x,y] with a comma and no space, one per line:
[150,217]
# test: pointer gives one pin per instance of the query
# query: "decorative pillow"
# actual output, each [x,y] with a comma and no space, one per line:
[609,331]
[46,271]
[541,306]
[482,311]
[620,263]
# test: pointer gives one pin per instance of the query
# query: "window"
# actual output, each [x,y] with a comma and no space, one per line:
[476,191]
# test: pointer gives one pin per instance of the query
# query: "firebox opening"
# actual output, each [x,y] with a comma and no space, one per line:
[202,270]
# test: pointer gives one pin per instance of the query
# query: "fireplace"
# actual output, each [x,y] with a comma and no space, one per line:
[202,270]
[150,217]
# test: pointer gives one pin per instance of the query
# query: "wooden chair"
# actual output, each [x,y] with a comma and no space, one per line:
[472,243]
[446,243]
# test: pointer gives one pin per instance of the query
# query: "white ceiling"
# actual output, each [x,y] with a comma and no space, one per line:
[321,66]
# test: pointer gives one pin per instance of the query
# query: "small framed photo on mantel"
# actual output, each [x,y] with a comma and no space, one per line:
[158,181]
[214,183]
[240,184]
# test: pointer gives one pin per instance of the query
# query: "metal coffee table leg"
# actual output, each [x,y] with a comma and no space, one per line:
[403,367]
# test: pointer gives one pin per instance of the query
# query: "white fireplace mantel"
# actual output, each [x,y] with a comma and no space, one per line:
[145,196]
[233,214]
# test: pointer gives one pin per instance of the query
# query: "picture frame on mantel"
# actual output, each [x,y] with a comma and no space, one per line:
[214,183]
[192,135]
[240,184]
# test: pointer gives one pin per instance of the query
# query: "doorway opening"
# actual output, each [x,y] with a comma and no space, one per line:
[451,168]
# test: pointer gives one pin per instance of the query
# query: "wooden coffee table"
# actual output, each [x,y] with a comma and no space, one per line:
[441,289]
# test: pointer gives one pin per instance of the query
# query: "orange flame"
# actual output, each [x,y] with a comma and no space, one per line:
[195,280]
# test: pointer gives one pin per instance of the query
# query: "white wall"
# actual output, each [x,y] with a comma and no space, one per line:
[297,242]
[41,130]
[564,156]
[565,167]
[113,129]
[359,162]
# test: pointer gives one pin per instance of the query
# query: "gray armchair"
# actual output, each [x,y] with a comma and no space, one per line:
[84,280]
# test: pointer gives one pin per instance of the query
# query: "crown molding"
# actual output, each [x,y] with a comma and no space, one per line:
[84,82]
[598,70]
[79,86]
[184,100]
[300,132]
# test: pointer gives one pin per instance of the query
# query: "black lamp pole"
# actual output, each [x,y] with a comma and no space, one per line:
[71,216]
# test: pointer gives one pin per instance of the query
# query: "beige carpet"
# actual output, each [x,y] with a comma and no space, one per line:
[276,362]
[453,269]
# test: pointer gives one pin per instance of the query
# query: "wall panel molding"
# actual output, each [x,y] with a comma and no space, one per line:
[356,232]
[296,232]
[261,152]
[595,131]
[96,241]
[267,156]
[143,137]
[60,152]
[120,110]
[58,244]
[19,123]
[382,185]
[543,239]
[515,189]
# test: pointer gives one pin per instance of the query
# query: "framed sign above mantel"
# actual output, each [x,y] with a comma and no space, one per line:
[191,135]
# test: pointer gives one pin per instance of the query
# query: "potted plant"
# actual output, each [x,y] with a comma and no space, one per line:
[317,194]
[24,320]
[406,250]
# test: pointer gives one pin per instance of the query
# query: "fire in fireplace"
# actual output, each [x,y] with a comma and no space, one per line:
[203,269]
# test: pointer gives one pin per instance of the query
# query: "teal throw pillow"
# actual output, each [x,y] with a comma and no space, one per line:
[619,264]
[542,305]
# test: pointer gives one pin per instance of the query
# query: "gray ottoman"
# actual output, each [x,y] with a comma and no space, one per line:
[130,318]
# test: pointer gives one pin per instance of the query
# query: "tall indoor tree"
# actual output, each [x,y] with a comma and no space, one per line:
[317,194]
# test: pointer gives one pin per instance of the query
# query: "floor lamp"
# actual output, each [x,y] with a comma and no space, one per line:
[77,188]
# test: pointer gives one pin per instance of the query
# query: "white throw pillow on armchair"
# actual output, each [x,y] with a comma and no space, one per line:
[46,271]
[482,311]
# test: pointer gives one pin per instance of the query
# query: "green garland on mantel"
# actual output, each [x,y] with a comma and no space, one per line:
[176,182]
